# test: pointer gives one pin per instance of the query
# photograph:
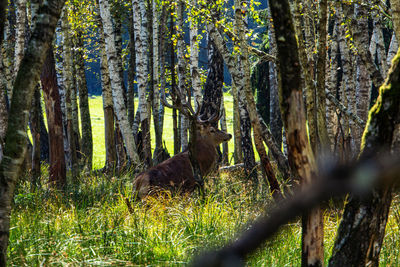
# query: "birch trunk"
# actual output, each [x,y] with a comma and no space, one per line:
[131,71]
[74,108]
[331,82]
[155,16]
[141,43]
[362,229]
[20,33]
[194,57]
[323,139]
[86,126]
[246,143]
[3,105]
[275,113]
[58,55]
[238,153]
[68,85]
[180,47]
[162,55]
[117,90]
[108,109]
[175,121]
[25,82]
[393,47]
[363,80]
[251,105]
[348,92]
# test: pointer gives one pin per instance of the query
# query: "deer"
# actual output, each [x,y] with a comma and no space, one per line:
[184,171]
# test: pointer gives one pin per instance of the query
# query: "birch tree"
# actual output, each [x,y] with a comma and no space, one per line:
[141,43]
[86,126]
[25,82]
[108,108]
[181,72]
[117,90]
[68,85]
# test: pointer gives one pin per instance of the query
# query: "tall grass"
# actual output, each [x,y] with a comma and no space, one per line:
[89,224]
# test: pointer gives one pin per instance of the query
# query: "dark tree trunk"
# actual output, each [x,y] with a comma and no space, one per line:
[119,144]
[260,84]
[57,171]
[362,229]
[213,87]
[44,141]
[300,154]
[25,82]
[274,113]
[3,7]
[35,130]
[247,145]
[86,125]
[177,140]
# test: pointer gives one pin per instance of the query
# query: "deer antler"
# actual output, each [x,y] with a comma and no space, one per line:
[181,104]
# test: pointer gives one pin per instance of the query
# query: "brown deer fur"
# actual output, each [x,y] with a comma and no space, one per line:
[176,172]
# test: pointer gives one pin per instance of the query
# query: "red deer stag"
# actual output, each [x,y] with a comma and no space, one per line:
[178,172]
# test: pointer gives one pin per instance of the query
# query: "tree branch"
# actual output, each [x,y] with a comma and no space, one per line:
[358,179]
[345,110]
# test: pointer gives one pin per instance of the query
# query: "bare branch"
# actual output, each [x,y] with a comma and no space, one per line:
[345,110]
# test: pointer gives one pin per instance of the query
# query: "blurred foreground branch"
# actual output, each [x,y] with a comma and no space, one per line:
[357,178]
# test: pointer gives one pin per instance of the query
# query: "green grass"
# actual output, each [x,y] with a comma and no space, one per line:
[90,224]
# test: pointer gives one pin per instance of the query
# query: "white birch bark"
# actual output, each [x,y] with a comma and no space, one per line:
[194,58]
[348,85]
[393,47]
[363,93]
[156,75]
[116,84]
[181,71]
[140,22]
[19,36]
[331,80]
[61,88]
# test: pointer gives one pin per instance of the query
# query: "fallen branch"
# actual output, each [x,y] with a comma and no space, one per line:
[357,179]
[235,167]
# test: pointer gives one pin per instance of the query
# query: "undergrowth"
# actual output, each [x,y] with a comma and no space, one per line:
[89,224]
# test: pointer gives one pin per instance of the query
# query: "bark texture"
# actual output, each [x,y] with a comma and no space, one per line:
[117,90]
[108,108]
[86,125]
[26,80]
[362,229]
[141,43]
[300,154]
[57,170]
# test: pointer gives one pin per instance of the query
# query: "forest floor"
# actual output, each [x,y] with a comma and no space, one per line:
[90,224]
